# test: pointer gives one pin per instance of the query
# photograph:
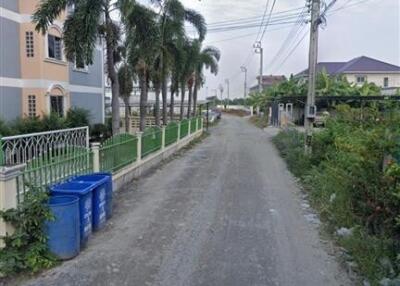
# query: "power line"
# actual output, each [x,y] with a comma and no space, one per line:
[269,19]
[262,21]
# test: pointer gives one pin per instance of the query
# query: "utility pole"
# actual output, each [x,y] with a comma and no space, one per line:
[244,69]
[259,50]
[227,83]
[310,109]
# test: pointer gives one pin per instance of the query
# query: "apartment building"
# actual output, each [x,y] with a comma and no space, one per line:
[35,77]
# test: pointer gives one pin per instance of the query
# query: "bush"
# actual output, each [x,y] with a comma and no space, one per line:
[77,117]
[354,181]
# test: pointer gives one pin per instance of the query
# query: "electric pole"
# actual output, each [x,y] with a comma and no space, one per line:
[244,69]
[227,83]
[259,50]
[310,109]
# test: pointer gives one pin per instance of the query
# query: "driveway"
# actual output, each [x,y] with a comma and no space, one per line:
[226,212]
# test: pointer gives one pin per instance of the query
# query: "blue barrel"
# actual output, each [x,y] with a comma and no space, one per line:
[99,183]
[84,192]
[63,232]
[101,178]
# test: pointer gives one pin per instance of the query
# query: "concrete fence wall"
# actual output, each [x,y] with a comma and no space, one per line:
[9,175]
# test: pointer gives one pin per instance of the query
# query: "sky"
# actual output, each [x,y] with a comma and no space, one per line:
[358,28]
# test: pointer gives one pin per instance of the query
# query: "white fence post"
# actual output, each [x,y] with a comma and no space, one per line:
[96,156]
[8,194]
[139,146]
[189,123]
[197,124]
[163,137]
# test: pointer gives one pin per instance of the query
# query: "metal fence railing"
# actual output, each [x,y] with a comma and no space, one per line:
[193,127]
[117,152]
[50,157]
[151,141]
[171,133]
[184,128]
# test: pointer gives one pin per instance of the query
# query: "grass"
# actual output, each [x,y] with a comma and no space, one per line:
[260,122]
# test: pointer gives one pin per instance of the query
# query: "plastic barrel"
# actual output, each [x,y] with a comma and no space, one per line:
[109,187]
[63,232]
[84,192]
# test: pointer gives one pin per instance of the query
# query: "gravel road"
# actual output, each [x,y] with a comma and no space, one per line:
[226,212]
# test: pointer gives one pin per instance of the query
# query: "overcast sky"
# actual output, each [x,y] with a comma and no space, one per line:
[364,27]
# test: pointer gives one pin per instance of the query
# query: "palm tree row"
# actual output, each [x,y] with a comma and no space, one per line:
[155,52]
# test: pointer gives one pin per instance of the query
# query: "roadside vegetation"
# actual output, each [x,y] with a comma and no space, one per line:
[259,121]
[353,178]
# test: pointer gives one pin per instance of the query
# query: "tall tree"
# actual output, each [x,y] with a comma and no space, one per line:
[89,20]
[172,28]
[141,34]
[207,58]
[126,77]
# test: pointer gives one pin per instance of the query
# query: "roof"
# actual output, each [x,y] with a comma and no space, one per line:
[360,64]
[269,80]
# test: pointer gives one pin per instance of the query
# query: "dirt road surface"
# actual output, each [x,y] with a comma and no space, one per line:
[226,212]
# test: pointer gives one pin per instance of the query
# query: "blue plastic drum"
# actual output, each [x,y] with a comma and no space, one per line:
[84,192]
[63,232]
[101,180]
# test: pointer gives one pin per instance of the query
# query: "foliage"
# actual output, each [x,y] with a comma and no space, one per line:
[26,249]
[353,176]
[260,122]
[326,85]
[77,117]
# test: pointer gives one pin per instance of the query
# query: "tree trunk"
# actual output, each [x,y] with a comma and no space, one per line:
[127,114]
[182,101]
[143,100]
[112,74]
[157,107]
[196,87]
[172,108]
[164,86]
[189,101]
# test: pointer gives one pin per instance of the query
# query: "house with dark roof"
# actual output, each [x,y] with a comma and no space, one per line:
[268,81]
[363,69]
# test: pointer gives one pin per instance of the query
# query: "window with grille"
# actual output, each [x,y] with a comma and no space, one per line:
[32,105]
[54,46]
[57,104]
[29,44]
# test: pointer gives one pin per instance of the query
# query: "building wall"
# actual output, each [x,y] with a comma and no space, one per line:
[10,103]
[40,75]
[10,46]
[90,101]
[11,5]
[394,79]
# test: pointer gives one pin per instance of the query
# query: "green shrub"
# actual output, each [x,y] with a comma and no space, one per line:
[26,249]
[77,117]
[353,176]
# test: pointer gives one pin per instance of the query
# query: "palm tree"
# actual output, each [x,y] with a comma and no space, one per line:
[172,30]
[125,77]
[81,32]
[141,34]
[207,58]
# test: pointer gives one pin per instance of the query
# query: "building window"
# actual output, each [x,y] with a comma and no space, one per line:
[80,66]
[54,47]
[385,82]
[32,105]
[360,79]
[57,104]
[29,44]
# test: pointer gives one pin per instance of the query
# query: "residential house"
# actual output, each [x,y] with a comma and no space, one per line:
[363,69]
[35,77]
[268,81]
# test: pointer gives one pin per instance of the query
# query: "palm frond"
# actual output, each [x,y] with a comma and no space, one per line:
[198,21]
[48,11]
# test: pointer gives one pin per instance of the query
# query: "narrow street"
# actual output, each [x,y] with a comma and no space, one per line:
[226,212]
